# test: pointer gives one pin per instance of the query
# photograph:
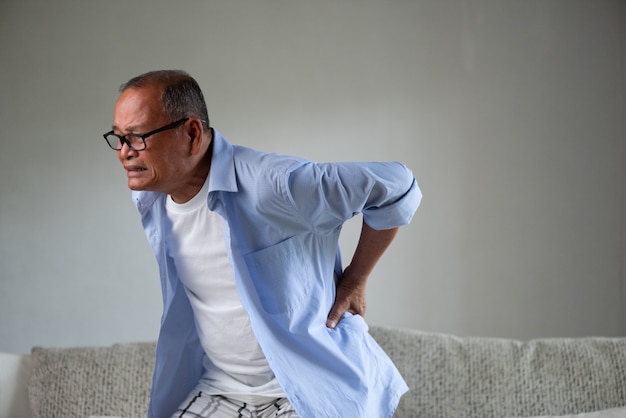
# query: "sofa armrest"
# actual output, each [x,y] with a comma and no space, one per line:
[14,374]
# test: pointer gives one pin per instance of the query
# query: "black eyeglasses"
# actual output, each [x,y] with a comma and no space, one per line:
[137,142]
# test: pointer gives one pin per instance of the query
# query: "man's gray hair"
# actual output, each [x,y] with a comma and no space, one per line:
[180,93]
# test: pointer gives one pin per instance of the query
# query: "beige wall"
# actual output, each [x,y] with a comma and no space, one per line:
[510,112]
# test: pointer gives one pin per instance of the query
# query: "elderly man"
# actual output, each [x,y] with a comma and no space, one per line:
[260,319]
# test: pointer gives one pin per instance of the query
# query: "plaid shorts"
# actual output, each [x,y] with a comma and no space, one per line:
[200,405]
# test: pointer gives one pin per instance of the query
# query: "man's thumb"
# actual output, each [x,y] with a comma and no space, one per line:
[333,318]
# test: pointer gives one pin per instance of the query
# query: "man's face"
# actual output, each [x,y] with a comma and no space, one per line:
[160,166]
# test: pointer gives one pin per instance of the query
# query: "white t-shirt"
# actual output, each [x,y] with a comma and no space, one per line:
[234,363]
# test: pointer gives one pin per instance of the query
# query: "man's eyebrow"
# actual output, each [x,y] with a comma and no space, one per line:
[131,129]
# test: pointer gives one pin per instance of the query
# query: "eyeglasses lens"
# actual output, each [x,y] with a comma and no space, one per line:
[134,141]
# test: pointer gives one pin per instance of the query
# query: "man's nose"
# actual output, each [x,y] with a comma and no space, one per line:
[126,152]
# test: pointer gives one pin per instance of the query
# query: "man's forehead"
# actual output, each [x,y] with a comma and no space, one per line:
[136,108]
[149,95]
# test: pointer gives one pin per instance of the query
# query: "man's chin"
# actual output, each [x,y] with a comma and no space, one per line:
[142,186]
[137,186]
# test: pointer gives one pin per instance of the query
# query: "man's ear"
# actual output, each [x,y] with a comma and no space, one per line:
[196,135]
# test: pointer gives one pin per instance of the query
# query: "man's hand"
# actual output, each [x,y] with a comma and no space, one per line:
[350,298]
[351,287]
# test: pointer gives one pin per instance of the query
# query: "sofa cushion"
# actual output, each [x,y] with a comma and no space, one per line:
[458,377]
[79,382]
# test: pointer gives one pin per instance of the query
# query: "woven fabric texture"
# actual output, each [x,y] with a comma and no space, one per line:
[448,376]
[457,377]
[79,382]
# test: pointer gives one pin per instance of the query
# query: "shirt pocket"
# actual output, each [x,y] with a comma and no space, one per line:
[282,276]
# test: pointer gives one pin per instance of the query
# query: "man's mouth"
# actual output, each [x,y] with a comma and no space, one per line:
[133,170]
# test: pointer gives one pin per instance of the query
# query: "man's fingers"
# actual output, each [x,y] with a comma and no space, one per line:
[335,316]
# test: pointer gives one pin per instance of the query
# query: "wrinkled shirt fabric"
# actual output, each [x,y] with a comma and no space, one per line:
[283,216]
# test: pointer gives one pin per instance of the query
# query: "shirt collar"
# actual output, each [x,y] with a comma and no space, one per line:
[222,175]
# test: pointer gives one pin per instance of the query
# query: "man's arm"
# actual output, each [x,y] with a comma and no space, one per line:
[351,287]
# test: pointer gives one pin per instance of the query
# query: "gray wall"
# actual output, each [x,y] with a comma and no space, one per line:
[510,113]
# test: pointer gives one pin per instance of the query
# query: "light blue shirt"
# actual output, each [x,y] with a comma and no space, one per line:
[283,216]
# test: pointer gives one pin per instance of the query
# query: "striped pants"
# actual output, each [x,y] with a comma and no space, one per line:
[200,405]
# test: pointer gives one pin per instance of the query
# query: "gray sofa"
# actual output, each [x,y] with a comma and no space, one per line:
[448,376]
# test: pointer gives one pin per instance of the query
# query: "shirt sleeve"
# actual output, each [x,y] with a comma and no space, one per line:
[326,195]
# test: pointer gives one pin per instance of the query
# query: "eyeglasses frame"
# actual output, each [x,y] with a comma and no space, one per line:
[123,140]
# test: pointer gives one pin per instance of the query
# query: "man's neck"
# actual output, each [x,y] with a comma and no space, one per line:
[196,180]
